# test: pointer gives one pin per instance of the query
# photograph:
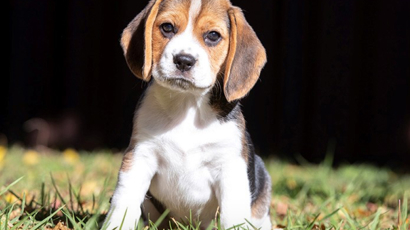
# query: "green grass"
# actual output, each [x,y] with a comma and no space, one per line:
[71,190]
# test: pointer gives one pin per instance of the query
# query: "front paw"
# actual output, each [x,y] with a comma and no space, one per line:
[235,223]
[126,218]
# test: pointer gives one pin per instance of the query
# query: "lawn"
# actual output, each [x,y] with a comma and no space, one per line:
[70,190]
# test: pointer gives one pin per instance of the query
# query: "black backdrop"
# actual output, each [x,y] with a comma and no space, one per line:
[338,74]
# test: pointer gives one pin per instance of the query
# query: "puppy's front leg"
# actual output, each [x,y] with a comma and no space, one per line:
[233,193]
[133,183]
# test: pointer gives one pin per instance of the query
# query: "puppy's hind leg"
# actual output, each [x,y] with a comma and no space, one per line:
[152,210]
[261,196]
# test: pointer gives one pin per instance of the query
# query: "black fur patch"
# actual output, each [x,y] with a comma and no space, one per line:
[226,110]
[157,204]
[256,171]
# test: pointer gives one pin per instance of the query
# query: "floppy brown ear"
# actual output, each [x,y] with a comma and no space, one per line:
[246,57]
[136,41]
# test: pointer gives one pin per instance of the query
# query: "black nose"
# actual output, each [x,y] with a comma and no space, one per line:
[184,62]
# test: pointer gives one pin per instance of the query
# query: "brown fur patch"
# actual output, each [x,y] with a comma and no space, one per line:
[149,24]
[126,163]
[136,41]
[245,149]
[232,48]
[245,59]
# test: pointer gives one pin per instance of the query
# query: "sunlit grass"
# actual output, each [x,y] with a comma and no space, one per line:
[71,190]
[357,196]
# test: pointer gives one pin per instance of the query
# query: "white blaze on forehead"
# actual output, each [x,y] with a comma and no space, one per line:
[194,10]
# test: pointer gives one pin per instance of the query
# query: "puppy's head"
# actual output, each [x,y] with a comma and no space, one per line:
[186,45]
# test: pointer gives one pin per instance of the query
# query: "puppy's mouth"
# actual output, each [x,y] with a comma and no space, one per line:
[181,83]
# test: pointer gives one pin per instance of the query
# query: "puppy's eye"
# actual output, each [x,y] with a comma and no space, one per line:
[167,29]
[212,38]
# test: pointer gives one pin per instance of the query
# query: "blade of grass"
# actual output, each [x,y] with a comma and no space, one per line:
[211,225]
[6,221]
[340,225]
[20,223]
[376,220]
[93,206]
[219,223]
[176,223]
[21,199]
[331,214]
[31,216]
[253,226]
[399,215]
[353,224]
[289,222]
[42,195]
[92,222]
[79,220]
[123,219]
[162,217]
[70,192]
[404,212]
[71,219]
[170,226]
[56,190]
[152,225]
[105,224]
[78,198]
[330,152]
[311,224]
[27,225]
[235,227]
[10,185]
[23,204]
[46,219]
[181,225]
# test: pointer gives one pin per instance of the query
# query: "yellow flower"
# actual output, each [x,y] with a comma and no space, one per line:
[89,187]
[71,156]
[10,198]
[31,157]
[291,183]
[3,152]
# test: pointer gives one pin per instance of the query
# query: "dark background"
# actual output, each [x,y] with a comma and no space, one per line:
[337,77]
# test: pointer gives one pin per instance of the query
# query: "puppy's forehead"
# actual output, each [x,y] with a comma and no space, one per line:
[181,6]
[193,9]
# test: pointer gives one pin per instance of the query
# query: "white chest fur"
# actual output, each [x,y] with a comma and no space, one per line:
[190,144]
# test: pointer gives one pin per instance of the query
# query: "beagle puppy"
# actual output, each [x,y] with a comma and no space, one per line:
[189,152]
